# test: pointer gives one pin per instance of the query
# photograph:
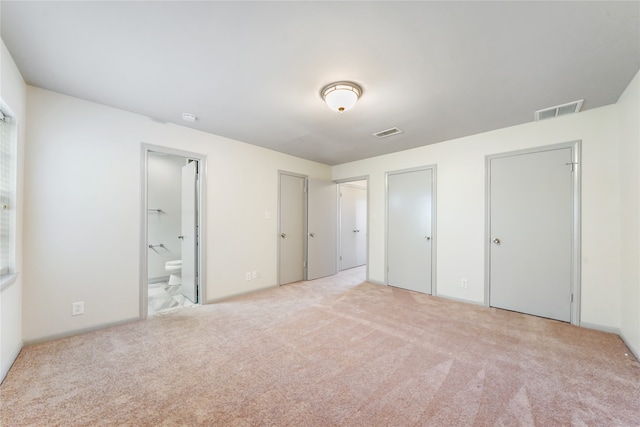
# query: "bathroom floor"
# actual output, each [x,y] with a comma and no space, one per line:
[163,297]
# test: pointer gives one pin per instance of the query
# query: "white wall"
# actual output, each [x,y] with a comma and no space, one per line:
[82,211]
[461,205]
[164,191]
[13,95]
[629,119]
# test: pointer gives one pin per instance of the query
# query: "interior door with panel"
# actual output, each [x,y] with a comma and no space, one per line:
[409,229]
[531,226]
[322,223]
[291,228]
[189,221]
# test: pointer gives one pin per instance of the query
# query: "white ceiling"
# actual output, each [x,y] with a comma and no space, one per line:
[253,71]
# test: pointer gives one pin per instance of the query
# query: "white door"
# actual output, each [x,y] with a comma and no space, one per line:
[291,254]
[353,226]
[409,229]
[189,231]
[322,219]
[530,228]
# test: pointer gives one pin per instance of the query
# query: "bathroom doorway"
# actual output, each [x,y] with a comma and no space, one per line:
[172,253]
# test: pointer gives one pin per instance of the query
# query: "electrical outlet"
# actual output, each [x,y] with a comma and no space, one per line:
[247,275]
[464,283]
[254,274]
[77,308]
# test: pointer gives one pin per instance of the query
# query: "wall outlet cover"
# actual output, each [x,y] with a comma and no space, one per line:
[77,308]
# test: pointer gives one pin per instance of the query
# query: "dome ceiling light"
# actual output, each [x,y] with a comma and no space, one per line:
[341,96]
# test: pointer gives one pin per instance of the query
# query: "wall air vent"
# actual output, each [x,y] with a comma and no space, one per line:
[388,132]
[559,110]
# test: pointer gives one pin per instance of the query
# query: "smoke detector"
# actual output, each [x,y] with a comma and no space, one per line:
[559,110]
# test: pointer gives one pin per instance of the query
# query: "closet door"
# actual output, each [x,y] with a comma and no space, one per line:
[322,223]
[531,232]
[409,229]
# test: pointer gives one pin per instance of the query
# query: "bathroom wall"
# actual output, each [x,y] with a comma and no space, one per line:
[83,211]
[164,188]
[13,94]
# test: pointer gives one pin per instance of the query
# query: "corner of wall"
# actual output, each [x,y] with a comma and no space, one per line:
[628,109]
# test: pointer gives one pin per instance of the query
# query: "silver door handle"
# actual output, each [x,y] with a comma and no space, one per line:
[427,237]
[356,231]
[283,235]
[311,234]
[181,237]
[496,241]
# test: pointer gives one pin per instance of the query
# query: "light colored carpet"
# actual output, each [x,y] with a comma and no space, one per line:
[329,352]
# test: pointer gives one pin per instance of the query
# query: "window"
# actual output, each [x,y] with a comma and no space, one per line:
[7,190]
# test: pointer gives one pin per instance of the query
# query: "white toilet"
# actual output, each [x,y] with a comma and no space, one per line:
[174,268]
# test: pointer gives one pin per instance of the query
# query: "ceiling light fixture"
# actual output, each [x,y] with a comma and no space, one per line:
[341,96]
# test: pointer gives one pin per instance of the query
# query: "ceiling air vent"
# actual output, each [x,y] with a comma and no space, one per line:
[559,110]
[388,132]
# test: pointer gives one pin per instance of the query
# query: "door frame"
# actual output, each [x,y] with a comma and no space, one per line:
[338,231]
[575,147]
[304,231]
[145,149]
[434,223]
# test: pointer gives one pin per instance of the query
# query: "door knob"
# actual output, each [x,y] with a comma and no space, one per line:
[283,235]
[356,231]
[427,237]
[496,241]
[181,237]
[311,234]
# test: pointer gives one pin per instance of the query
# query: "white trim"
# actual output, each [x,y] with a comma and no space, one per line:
[240,294]
[634,351]
[6,367]
[601,328]
[7,280]
[464,301]
[80,331]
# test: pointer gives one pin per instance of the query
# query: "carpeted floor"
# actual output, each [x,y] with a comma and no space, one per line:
[330,352]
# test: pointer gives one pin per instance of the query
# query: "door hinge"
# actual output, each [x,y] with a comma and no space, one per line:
[572,165]
[571,297]
[340,257]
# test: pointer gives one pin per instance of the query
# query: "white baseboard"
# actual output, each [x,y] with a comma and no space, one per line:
[634,351]
[612,330]
[603,328]
[239,294]
[6,366]
[467,301]
[79,331]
